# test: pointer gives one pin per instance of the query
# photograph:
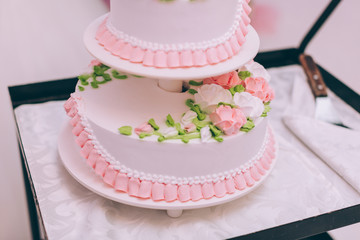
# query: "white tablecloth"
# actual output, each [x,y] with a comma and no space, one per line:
[299,187]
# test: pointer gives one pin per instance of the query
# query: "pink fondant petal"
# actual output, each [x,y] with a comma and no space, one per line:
[73,111]
[260,168]
[145,189]
[195,192]
[117,47]
[160,59]
[86,149]
[200,58]
[134,185]
[110,175]
[75,120]
[230,185]
[184,193]
[211,56]
[221,52]
[101,30]
[240,183]
[248,179]
[220,189]
[125,52]
[105,36]
[109,43]
[234,45]
[101,166]
[240,37]
[228,49]
[255,174]
[137,55]
[149,58]
[264,163]
[247,8]
[157,191]
[82,138]
[243,28]
[121,182]
[208,190]
[93,157]
[245,18]
[173,59]
[69,104]
[186,58]
[170,192]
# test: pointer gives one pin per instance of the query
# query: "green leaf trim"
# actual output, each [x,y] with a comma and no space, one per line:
[247,126]
[125,130]
[244,74]
[195,83]
[153,124]
[170,121]
[117,75]
[192,91]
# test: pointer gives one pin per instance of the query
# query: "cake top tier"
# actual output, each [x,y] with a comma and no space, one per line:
[177,33]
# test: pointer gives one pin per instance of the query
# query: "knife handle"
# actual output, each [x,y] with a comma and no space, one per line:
[314,76]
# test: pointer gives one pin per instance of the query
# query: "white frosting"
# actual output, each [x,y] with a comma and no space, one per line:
[188,117]
[169,132]
[205,134]
[176,25]
[210,95]
[169,161]
[251,106]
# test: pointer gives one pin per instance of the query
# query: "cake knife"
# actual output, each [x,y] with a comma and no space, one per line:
[324,110]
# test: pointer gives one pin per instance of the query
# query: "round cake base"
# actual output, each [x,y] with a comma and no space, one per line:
[78,169]
[248,51]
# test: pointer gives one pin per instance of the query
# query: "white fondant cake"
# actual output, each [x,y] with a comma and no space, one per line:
[152,143]
[177,33]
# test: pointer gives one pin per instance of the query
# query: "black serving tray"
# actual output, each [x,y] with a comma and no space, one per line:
[315,226]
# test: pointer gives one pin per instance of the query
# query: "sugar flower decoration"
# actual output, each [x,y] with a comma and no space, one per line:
[251,106]
[227,80]
[260,88]
[144,128]
[257,70]
[210,95]
[228,120]
[205,134]
[188,117]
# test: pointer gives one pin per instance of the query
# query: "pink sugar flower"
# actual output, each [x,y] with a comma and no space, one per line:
[227,80]
[260,88]
[227,119]
[144,128]
[190,128]
[94,62]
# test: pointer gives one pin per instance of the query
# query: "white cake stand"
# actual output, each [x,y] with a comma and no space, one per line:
[248,51]
[70,155]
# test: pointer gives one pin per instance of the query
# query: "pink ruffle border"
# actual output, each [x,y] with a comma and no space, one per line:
[176,59]
[156,191]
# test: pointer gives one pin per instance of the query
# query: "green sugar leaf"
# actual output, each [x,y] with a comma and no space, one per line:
[219,139]
[185,140]
[192,91]
[247,126]
[125,130]
[161,139]
[215,131]
[143,135]
[153,124]
[117,75]
[84,77]
[244,74]
[195,83]
[200,124]
[232,91]
[84,83]
[170,121]
[226,104]
[94,85]
[267,109]
[190,103]
[179,129]
[81,88]
[239,88]
[137,76]
[106,77]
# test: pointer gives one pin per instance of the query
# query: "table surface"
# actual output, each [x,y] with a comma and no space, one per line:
[301,186]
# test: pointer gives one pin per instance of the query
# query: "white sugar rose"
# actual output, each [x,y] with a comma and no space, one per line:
[251,106]
[188,117]
[169,132]
[205,134]
[257,70]
[210,95]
